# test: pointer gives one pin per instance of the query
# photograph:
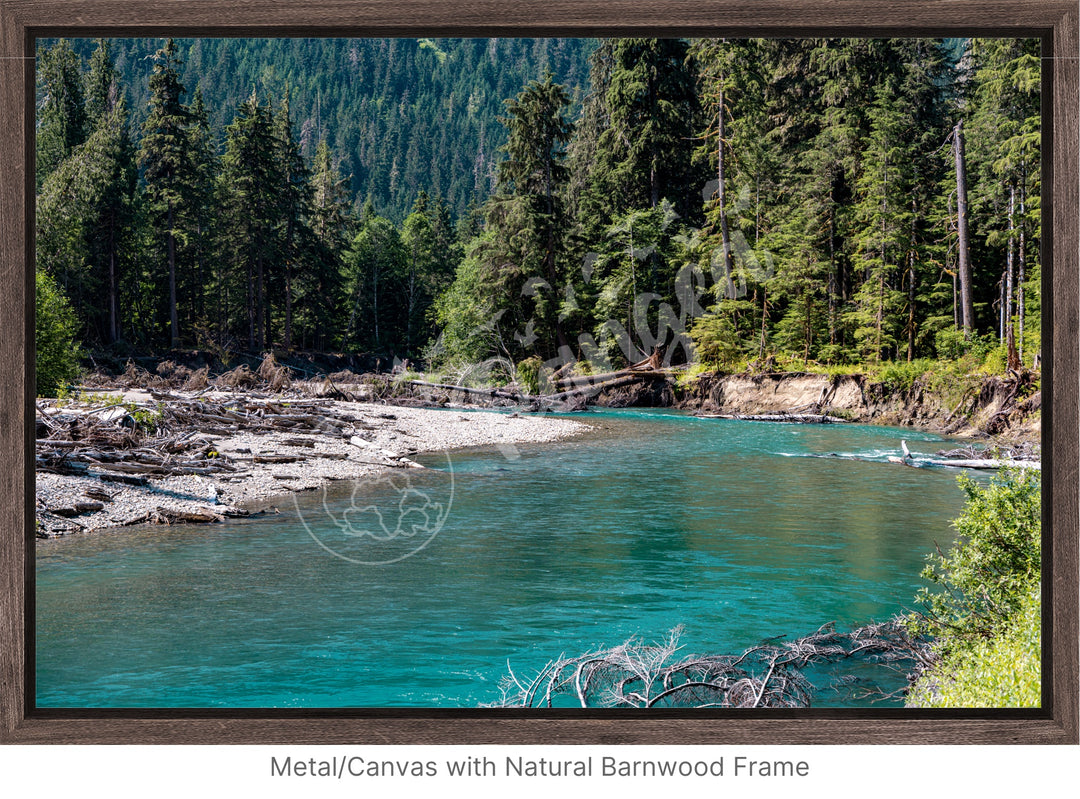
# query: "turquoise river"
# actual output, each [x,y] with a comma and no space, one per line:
[522,554]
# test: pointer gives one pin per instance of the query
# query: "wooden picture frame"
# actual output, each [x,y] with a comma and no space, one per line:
[1054,22]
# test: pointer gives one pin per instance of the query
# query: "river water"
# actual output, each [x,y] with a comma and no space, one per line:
[419,589]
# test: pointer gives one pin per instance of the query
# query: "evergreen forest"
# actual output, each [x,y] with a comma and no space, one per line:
[803,203]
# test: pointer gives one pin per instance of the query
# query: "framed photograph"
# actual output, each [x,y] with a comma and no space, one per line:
[573,215]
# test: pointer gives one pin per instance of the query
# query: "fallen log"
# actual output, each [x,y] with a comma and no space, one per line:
[963,463]
[130,468]
[491,393]
[792,418]
[77,509]
[980,463]
[271,458]
[116,477]
[593,380]
[173,515]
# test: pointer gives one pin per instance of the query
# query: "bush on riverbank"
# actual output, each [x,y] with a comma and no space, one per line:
[55,326]
[1001,672]
[985,620]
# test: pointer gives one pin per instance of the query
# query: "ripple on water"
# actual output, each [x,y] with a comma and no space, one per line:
[654,520]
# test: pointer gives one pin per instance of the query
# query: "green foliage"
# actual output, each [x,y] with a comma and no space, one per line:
[715,340]
[994,564]
[402,116]
[62,124]
[775,199]
[985,621]
[466,313]
[528,373]
[58,350]
[901,375]
[376,276]
[643,154]
[1004,671]
[84,224]
[951,343]
[147,419]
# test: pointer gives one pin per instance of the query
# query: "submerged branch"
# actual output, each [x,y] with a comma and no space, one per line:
[767,675]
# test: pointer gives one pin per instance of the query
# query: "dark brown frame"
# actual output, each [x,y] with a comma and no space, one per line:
[1053,21]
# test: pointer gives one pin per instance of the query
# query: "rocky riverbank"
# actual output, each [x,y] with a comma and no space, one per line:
[128,456]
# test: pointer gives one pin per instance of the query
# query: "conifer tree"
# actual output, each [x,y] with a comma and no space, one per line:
[166,161]
[528,209]
[294,206]
[319,298]
[102,88]
[84,222]
[251,187]
[62,122]
[652,107]
[201,218]
[376,267]
[1004,127]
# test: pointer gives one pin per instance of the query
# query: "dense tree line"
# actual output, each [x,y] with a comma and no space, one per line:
[174,234]
[400,115]
[835,201]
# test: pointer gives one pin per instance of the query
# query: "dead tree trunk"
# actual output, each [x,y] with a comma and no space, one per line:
[967,312]
[721,200]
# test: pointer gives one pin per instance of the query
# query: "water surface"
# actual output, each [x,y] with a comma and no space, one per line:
[656,519]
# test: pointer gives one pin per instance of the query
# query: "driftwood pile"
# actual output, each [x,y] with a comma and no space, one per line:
[506,396]
[268,378]
[129,444]
[171,437]
[770,675]
[789,418]
[570,392]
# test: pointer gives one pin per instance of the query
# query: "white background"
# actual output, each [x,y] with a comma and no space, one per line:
[203,772]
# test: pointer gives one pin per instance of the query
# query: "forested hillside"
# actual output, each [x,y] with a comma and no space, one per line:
[811,202]
[401,116]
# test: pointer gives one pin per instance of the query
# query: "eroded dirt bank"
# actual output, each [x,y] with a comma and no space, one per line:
[1001,410]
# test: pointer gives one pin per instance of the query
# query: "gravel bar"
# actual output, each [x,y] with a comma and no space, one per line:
[374,438]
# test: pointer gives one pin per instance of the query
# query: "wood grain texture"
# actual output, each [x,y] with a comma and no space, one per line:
[1054,20]
[16,393]
[534,17]
[1060,572]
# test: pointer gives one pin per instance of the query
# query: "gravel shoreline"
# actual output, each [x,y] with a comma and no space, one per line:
[383,440]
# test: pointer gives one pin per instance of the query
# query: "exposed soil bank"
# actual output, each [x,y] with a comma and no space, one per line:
[1004,410]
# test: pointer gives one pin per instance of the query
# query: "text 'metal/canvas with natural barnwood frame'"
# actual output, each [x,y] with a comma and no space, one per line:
[1053,22]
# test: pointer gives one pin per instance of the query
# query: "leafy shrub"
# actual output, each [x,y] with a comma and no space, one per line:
[1000,672]
[147,419]
[951,343]
[833,354]
[995,360]
[995,562]
[977,352]
[715,339]
[528,374]
[58,350]
[901,375]
[985,621]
